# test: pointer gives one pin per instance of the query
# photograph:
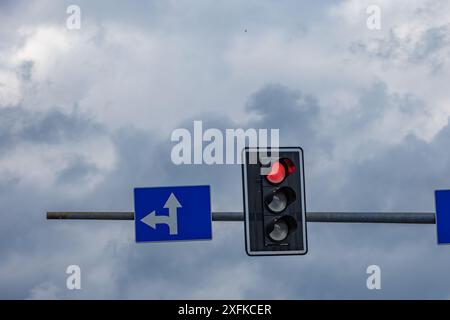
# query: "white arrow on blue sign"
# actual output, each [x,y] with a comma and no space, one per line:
[442,200]
[172,213]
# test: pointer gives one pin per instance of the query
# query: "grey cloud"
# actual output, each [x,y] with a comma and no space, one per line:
[56,127]
[19,125]
[373,103]
[7,4]
[25,70]
[77,171]
[22,232]
[418,166]
[431,48]
[433,40]
[281,107]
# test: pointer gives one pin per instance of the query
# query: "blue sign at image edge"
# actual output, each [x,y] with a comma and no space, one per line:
[442,202]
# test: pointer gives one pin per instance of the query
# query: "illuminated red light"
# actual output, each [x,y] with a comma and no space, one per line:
[290,166]
[277,173]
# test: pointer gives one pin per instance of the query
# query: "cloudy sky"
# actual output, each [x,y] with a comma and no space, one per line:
[86,115]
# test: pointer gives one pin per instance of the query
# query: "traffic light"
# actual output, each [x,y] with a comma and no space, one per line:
[274,201]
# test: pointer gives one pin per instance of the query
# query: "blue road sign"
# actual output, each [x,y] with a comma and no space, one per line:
[442,199]
[172,213]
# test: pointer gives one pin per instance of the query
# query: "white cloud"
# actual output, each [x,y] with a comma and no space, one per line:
[10,93]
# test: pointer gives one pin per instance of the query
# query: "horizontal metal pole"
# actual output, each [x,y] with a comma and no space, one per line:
[216,216]
[346,217]
[90,215]
[373,217]
[227,216]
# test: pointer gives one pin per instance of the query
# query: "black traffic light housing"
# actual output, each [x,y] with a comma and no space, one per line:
[274,201]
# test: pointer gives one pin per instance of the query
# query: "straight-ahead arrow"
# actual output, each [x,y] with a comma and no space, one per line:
[173,204]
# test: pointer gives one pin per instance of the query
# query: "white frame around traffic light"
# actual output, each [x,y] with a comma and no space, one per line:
[246,209]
